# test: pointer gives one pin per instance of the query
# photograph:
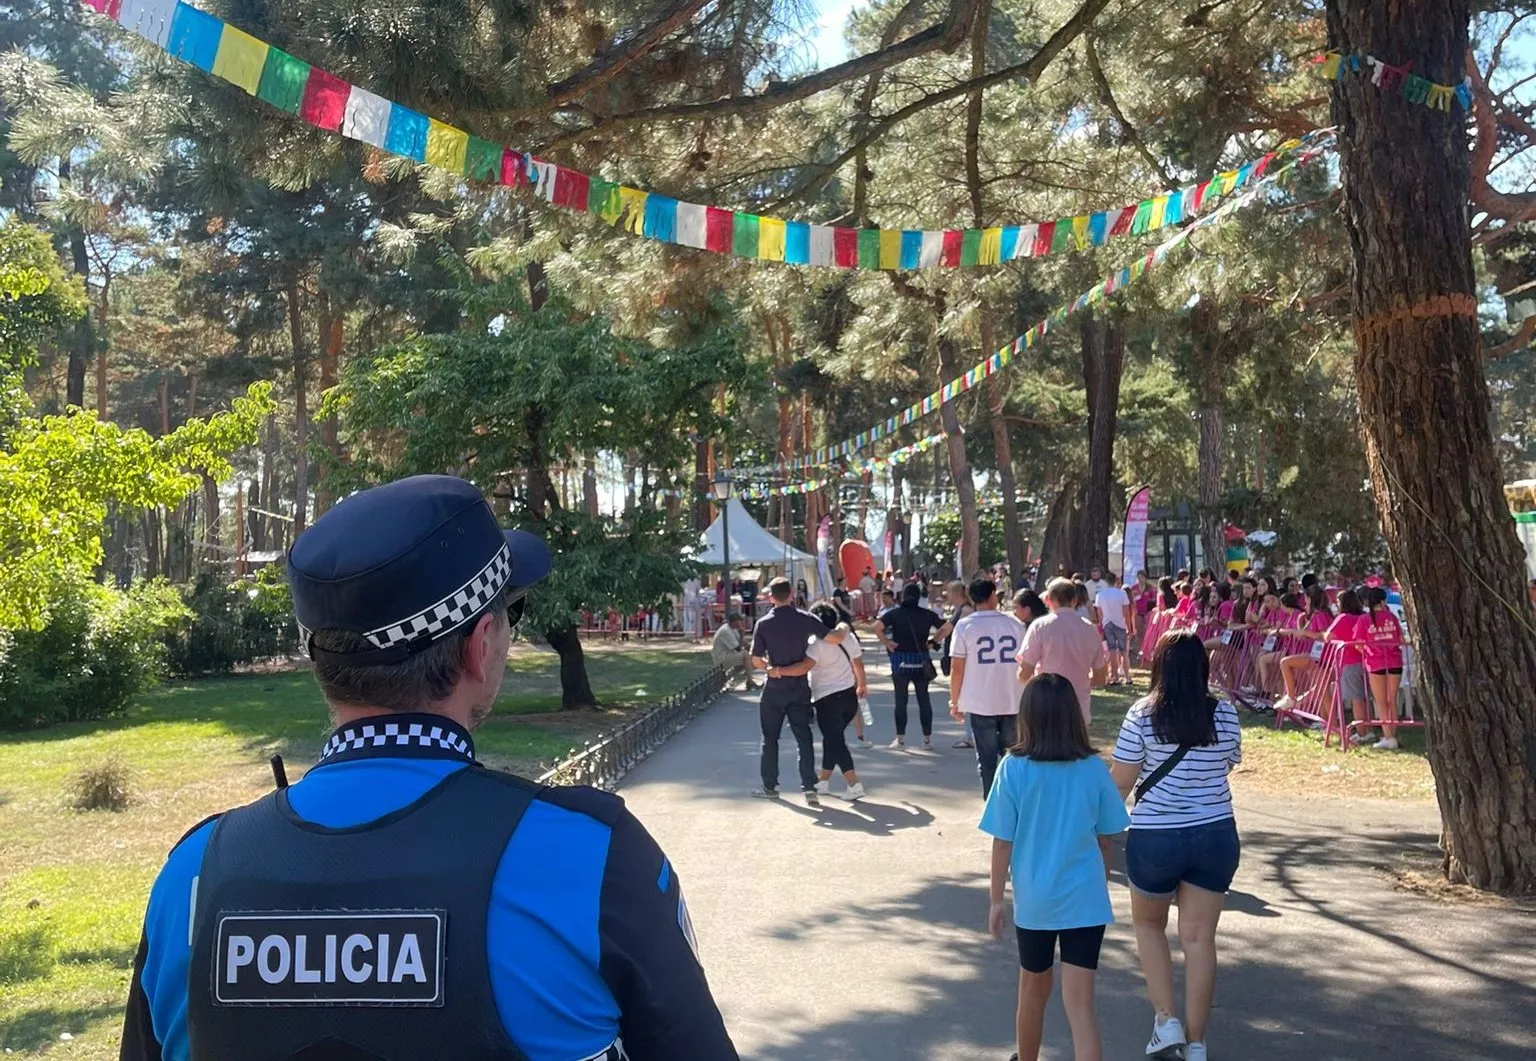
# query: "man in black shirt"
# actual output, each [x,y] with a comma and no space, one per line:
[906,631]
[779,641]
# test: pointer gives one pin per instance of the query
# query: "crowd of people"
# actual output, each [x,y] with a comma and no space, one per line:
[1270,639]
[1020,672]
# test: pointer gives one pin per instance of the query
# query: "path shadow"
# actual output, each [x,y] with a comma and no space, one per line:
[866,816]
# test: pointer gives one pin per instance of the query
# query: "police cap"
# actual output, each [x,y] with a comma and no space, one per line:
[406,564]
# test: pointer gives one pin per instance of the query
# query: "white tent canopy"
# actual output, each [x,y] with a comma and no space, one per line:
[752,546]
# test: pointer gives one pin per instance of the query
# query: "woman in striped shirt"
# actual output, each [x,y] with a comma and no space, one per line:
[1176,748]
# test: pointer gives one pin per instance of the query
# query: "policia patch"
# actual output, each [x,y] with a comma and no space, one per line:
[330,958]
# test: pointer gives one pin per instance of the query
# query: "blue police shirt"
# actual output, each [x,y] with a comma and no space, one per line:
[588,939]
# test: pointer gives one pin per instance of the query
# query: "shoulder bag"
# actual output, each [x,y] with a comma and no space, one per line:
[1161,772]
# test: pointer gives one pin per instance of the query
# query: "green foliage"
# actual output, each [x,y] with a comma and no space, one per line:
[230,625]
[941,533]
[37,297]
[98,649]
[58,473]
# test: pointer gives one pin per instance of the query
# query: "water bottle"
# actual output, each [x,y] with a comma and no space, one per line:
[869,716]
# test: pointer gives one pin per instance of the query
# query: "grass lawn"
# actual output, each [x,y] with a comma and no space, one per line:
[73,885]
[1292,762]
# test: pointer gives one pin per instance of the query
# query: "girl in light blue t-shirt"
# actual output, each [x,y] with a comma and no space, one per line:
[1051,813]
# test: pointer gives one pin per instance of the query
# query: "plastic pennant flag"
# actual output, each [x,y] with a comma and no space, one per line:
[1080,235]
[770,239]
[150,19]
[282,83]
[660,220]
[911,249]
[240,61]
[797,243]
[632,209]
[407,132]
[366,118]
[325,100]
[195,37]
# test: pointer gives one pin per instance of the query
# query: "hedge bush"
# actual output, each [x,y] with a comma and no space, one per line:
[233,625]
[100,648]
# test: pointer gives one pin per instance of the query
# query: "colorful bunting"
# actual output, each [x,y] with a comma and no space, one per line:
[1399,79]
[997,361]
[329,102]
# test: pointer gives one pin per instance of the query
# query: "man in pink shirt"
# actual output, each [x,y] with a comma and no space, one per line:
[1064,643]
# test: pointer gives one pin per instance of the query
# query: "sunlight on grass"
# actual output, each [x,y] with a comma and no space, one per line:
[73,883]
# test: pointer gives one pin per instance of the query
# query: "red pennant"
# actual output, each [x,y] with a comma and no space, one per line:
[1045,235]
[718,228]
[513,173]
[954,239]
[845,247]
[325,99]
[571,189]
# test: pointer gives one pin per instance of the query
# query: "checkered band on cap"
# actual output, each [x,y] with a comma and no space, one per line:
[370,735]
[452,611]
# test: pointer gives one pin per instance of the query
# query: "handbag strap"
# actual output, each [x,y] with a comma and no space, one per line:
[1162,771]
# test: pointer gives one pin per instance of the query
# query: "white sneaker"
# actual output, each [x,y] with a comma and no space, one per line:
[1167,1037]
[899,744]
[1285,703]
[824,788]
[865,743]
[1194,1052]
[855,792]
[1387,744]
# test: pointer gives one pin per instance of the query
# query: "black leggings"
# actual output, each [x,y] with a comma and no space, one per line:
[919,681]
[833,713]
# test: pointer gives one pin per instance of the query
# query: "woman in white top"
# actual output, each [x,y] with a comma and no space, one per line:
[1176,748]
[837,684]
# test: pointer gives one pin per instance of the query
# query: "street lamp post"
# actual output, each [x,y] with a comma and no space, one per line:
[722,490]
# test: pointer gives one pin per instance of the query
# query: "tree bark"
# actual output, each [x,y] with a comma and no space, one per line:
[959,466]
[300,410]
[1210,377]
[1103,362]
[589,487]
[575,686]
[1054,550]
[332,336]
[1002,443]
[1424,411]
[81,337]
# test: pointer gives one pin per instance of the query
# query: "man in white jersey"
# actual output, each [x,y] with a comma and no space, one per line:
[983,681]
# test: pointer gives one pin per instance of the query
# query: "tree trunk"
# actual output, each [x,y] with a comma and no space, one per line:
[101,353]
[589,487]
[211,514]
[267,488]
[1054,544]
[1013,532]
[1210,379]
[575,686]
[332,336]
[1103,361]
[1424,409]
[300,410]
[959,466]
[81,337]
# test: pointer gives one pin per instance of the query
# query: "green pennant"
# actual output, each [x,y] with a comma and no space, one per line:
[970,246]
[1143,218]
[1061,240]
[282,81]
[869,248]
[744,235]
[603,200]
[482,160]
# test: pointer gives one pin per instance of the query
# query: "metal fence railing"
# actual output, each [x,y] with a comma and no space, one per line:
[601,762]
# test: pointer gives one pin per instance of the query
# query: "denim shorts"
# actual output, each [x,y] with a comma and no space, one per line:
[1115,637]
[1157,861]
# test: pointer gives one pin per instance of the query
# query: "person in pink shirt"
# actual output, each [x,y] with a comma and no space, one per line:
[1382,650]
[1064,643]
[1312,625]
[1282,617]
[1345,630]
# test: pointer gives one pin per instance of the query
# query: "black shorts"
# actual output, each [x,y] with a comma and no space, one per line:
[1388,670]
[1079,947]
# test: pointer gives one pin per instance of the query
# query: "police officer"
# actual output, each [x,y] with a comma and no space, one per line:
[401,901]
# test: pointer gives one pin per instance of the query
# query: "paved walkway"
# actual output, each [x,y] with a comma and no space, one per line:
[856,932]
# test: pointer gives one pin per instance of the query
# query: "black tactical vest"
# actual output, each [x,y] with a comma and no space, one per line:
[362,944]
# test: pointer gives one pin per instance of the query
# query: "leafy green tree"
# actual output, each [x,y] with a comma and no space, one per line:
[37,297]
[500,400]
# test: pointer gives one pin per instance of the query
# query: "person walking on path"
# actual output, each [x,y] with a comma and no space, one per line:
[905,631]
[837,685]
[1116,621]
[779,643]
[958,607]
[983,682]
[1176,749]
[1064,643]
[1050,816]
[728,650]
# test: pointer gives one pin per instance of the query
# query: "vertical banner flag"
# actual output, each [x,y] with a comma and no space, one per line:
[1133,554]
[890,559]
[824,553]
